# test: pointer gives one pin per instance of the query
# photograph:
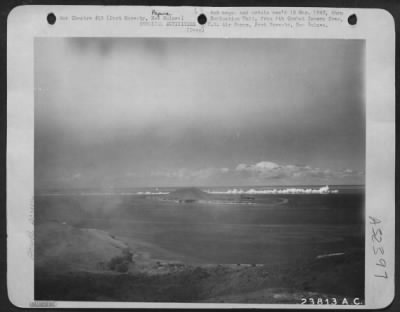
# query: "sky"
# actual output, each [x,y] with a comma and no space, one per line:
[153,112]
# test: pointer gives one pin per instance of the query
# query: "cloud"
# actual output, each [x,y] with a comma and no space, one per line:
[262,166]
[260,173]
[188,174]
[264,172]
[71,177]
[261,170]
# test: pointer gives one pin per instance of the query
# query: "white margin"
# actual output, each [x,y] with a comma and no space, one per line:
[375,26]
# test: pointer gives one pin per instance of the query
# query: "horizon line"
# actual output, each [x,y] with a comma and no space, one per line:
[204,186]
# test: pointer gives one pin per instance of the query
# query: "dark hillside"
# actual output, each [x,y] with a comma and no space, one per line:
[188,194]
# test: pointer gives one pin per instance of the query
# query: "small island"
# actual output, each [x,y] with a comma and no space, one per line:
[188,195]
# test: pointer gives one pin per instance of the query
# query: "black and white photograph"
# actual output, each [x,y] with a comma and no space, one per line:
[200,157]
[199,170]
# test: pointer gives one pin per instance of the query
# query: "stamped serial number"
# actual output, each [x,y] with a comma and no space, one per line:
[378,248]
[331,301]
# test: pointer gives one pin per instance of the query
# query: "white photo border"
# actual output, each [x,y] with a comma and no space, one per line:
[25,23]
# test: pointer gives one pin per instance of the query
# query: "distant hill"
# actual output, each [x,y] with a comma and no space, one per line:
[188,194]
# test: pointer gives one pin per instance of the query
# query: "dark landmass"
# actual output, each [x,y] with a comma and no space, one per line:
[280,250]
[218,283]
[188,194]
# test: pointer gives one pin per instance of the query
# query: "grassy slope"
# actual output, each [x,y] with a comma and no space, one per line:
[67,269]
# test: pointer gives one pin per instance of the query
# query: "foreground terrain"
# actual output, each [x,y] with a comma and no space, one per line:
[138,248]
